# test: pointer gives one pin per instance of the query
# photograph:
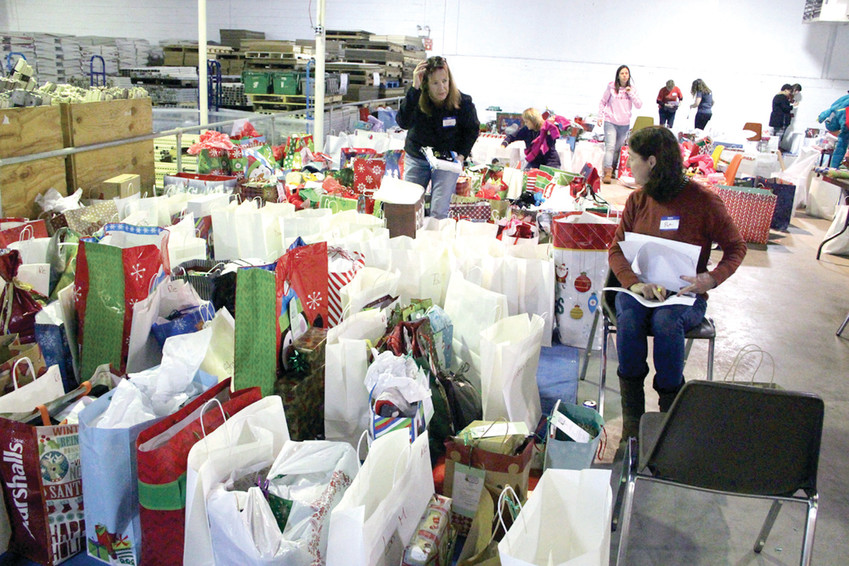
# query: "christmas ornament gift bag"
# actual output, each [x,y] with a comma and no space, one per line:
[581,241]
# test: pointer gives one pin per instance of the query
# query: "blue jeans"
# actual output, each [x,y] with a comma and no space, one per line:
[442,184]
[667,117]
[614,138]
[668,325]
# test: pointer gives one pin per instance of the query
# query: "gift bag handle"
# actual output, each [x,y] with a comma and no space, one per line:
[745,350]
[508,490]
[15,370]
[359,445]
[27,233]
[203,410]
[81,391]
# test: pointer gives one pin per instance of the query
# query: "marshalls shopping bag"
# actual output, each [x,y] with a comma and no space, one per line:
[381,509]
[565,522]
[581,240]
[253,437]
[346,408]
[509,359]
[306,481]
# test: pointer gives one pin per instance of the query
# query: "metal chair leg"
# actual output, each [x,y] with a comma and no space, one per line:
[711,346]
[589,349]
[810,528]
[623,482]
[602,377]
[767,526]
[627,503]
[842,326]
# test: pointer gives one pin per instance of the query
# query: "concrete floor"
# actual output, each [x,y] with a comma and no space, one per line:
[790,305]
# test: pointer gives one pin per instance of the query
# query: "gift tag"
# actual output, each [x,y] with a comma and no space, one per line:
[466,490]
[569,428]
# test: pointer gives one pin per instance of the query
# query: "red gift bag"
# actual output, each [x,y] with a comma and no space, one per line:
[751,209]
[368,172]
[14,229]
[20,308]
[338,278]
[42,485]
[162,451]
[623,170]
[109,280]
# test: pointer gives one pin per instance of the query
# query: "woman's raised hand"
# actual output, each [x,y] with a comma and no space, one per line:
[418,74]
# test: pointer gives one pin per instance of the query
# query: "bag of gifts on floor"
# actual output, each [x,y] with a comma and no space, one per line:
[751,209]
[15,229]
[341,269]
[36,391]
[11,350]
[785,197]
[306,481]
[62,256]
[40,473]
[19,303]
[252,438]
[162,453]
[111,276]
[509,358]
[109,428]
[379,512]
[301,383]
[574,434]
[565,522]
[581,241]
[399,396]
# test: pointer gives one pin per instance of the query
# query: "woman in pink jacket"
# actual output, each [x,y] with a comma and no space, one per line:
[614,111]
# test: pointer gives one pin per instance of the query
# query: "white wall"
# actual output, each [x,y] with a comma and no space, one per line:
[555,53]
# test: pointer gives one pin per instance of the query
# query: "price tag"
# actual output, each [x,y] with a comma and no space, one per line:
[569,428]
[466,490]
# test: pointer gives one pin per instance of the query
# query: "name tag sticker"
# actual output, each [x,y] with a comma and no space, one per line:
[669,223]
[448,122]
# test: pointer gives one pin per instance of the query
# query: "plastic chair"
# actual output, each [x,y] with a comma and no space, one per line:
[642,122]
[767,448]
[755,127]
[706,330]
[731,171]
[717,153]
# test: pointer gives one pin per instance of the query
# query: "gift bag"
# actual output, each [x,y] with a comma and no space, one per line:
[255,349]
[62,256]
[509,351]
[200,184]
[19,304]
[40,473]
[51,334]
[581,241]
[251,438]
[109,280]
[379,512]
[15,229]
[307,479]
[751,209]
[89,219]
[341,270]
[623,171]
[470,208]
[162,453]
[346,406]
[201,274]
[785,194]
[566,522]
[368,285]
[11,350]
[394,163]
[294,145]
[574,434]
[37,391]
[368,172]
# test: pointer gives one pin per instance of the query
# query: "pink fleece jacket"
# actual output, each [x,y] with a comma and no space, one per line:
[616,108]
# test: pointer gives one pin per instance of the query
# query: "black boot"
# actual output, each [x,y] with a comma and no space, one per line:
[665,398]
[633,405]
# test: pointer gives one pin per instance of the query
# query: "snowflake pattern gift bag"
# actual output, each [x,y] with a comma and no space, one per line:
[367,174]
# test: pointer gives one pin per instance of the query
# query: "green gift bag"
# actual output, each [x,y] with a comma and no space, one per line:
[255,354]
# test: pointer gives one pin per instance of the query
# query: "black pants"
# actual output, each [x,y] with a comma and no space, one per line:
[702,119]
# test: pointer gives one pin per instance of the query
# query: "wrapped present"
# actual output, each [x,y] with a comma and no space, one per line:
[293,158]
[307,351]
[213,162]
[345,176]
[431,543]
[751,209]
[368,172]
[268,192]
[470,208]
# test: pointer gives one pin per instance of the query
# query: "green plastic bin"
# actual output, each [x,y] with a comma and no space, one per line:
[286,83]
[256,82]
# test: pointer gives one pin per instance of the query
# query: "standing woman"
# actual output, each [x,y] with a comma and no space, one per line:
[437,115]
[614,111]
[668,100]
[703,103]
[540,136]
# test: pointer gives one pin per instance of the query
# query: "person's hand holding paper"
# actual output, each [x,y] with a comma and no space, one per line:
[660,265]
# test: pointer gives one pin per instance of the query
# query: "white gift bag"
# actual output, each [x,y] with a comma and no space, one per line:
[822,198]
[346,410]
[565,522]
[840,244]
[37,392]
[224,232]
[253,436]
[471,309]
[509,359]
[368,285]
[219,358]
[379,513]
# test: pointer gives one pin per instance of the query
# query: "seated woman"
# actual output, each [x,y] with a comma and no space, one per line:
[672,207]
[539,136]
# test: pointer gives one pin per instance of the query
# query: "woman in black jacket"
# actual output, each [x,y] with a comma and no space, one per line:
[439,116]
[782,112]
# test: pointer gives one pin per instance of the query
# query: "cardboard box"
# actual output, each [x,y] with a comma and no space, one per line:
[121,186]
[404,219]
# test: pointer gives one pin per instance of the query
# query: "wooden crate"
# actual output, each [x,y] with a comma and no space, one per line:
[98,122]
[24,131]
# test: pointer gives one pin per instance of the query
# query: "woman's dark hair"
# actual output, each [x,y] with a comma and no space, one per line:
[700,87]
[666,178]
[425,103]
[616,78]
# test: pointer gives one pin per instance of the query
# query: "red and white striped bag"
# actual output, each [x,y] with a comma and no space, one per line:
[342,266]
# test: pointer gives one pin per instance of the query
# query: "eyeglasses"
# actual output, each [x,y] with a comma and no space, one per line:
[436,62]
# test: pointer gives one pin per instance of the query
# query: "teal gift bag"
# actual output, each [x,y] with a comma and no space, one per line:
[564,448]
